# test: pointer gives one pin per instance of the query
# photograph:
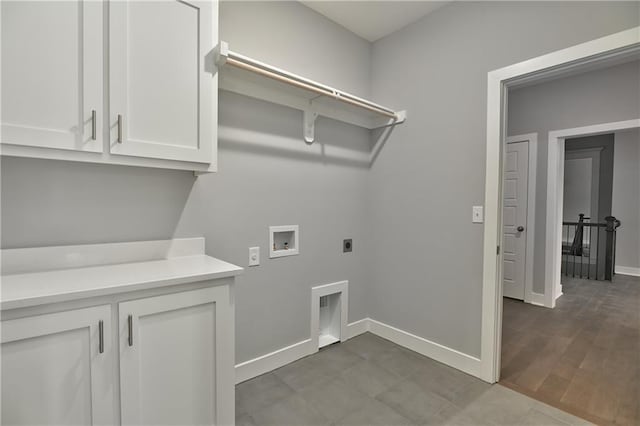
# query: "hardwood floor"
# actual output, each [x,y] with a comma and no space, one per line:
[583,356]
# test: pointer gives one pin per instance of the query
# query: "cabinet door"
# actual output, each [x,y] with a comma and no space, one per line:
[57,370]
[52,74]
[158,83]
[177,359]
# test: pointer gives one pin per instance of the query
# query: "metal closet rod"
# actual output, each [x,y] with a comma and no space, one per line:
[335,94]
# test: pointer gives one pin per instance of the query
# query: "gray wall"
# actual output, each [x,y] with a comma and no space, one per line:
[601,96]
[422,270]
[580,192]
[426,262]
[605,178]
[268,176]
[626,197]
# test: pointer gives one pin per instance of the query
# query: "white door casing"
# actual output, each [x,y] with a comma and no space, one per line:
[179,364]
[53,371]
[158,83]
[52,74]
[555,191]
[600,50]
[514,218]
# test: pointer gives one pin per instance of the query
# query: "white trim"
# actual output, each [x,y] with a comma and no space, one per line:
[604,48]
[451,357]
[357,328]
[341,287]
[283,356]
[555,189]
[537,299]
[628,270]
[271,361]
[532,139]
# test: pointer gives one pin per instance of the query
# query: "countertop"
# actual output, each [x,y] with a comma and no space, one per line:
[38,288]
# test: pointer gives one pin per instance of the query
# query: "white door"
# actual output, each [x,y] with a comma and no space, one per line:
[52,74]
[161,97]
[176,359]
[514,218]
[57,369]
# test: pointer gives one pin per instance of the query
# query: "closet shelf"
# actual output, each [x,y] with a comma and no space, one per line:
[249,77]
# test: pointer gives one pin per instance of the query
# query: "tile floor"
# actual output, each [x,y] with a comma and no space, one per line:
[371,381]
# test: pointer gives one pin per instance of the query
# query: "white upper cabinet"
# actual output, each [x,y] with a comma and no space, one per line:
[52,74]
[115,82]
[161,96]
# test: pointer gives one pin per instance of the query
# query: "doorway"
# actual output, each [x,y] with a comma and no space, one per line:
[597,52]
[555,197]
[559,353]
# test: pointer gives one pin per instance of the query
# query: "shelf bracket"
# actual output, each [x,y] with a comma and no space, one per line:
[221,53]
[309,119]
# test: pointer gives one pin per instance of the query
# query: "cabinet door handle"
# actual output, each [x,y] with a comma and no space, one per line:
[93,124]
[119,140]
[101,334]
[130,323]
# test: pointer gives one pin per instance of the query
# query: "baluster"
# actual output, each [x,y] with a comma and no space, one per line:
[608,266]
[597,253]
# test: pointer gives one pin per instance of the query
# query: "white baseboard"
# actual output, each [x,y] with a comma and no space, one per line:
[358,327]
[626,270]
[281,357]
[536,299]
[559,291]
[436,351]
[271,361]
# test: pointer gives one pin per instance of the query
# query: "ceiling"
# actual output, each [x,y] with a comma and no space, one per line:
[374,19]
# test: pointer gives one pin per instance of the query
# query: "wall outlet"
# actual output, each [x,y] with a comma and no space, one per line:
[477,215]
[254,256]
[347,246]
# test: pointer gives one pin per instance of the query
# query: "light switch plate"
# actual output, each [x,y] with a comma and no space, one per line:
[254,256]
[478,214]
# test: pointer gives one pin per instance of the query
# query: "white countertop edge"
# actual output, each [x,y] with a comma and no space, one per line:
[227,270]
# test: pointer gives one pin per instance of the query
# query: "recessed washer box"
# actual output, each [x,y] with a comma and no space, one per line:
[284,241]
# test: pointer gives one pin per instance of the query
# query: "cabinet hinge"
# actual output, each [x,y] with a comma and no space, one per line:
[498,250]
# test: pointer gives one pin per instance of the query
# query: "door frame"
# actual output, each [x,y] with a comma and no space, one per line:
[562,62]
[555,193]
[532,142]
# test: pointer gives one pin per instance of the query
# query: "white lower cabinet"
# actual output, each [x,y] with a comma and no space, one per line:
[176,362]
[175,366]
[57,368]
